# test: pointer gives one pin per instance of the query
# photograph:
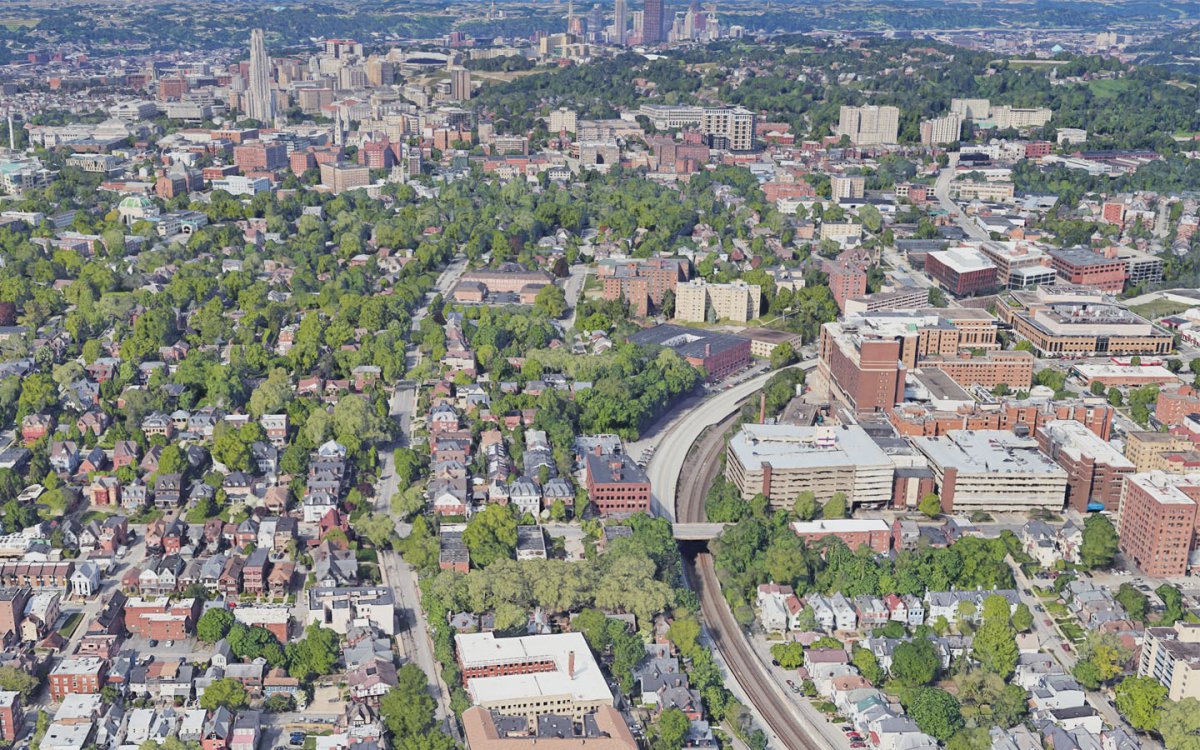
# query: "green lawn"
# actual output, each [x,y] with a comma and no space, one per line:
[68,628]
[1160,308]
[1072,631]
[1108,88]
[1056,609]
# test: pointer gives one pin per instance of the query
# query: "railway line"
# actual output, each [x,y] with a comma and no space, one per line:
[696,476]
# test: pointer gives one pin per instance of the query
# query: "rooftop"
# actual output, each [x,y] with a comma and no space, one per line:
[987,451]
[576,672]
[793,447]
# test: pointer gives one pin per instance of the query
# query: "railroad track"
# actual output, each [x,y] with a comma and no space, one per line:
[699,471]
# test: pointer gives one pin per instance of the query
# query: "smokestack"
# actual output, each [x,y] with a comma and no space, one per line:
[12,141]
[571,665]
[762,408]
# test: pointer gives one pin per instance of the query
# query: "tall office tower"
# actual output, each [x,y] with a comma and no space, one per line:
[652,22]
[689,20]
[620,23]
[260,103]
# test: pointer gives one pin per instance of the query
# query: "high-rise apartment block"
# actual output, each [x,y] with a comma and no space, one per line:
[342,176]
[1156,522]
[460,84]
[869,125]
[653,22]
[847,186]
[946,129]
[698,301]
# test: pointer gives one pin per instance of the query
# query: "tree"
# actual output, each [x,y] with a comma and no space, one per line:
[936,712]
[789,655]
[1097,388]
[868,665]
[19,681]
[915,662]
[836,507]
[280,703]
[214,625]
[1102,657]
[1022,618]
[806,506]
[313,656]
[995,644]
[491,535]
[551,301]
[670,730]
[1179,724]
[782,355]
[1099,544]
[930,505]
[227,692]
[1139,699]
[684,632]
[377,528]
[408,709]
[1172,600]
[1136,603]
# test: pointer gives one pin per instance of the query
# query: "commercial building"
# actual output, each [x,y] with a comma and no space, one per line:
[241,185]
[869,125]
[1157,520]
[728,128]
[336,607]
[939,130]
[1095,469]
[654,27]
[1019,263]
[602,729]
[872,533]
[260,157]
[962,271]
[974,190]
[1014,369]
[862,369]
[1080,266]
[993,470]
[698,301]
[764,341]
[616,485]
[532,676]
[1021,417]
[1171,655]
[781,461]
[77,674]
[719,354]
[971,109]
[846,280]
[1078,322]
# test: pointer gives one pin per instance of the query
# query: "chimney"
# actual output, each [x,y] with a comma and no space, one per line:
[762,408]
[708,350]
[571,665]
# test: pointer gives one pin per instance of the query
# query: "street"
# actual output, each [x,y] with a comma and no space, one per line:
[941,190]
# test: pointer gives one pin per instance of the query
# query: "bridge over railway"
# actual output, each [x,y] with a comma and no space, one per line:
[698,532]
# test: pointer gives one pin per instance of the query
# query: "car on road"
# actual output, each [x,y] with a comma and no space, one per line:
[857,744]
[1066,647]
[296,739]
[153,644]
[1048,623]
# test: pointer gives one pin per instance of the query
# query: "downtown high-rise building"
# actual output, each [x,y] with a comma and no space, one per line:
[620,23]
[260,102]
[652,22]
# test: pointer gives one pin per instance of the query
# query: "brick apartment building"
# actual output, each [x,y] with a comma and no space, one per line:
[961,271]
[616,485]
[1095,469]
[643,283]
[86,675]
[260,157]
[1157,521]
[12,608]
[1021,417]
[12,718]
[871,533]
[161,619]
[1175,404]
[846,280]
[867,374]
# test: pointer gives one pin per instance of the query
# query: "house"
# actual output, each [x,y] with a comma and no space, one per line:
[125,453]
[369,682]
[168,491]
[845,618]
[1038,540]
[871,612]
[771,602]
[822,611]
[64,456]
[34,427]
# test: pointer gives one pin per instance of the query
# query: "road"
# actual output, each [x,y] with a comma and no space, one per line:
[941,190]
[664,468]
[573,290]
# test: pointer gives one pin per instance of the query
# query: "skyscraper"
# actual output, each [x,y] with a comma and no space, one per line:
[620,23]
[260,103]
[652,22]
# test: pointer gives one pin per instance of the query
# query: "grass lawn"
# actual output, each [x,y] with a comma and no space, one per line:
[68,628]
[1056,609]
[1071,631]
[1044,593]
[1160,308]
[1108,88]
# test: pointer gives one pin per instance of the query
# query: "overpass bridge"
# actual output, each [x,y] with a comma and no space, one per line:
[697,532]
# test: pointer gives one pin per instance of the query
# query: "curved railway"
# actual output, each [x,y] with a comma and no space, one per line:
[696,476]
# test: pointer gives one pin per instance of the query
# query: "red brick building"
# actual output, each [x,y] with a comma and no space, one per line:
[1038,149]
[1083,267]
[865,373]
[961,271]
[1095,470]
[84,675]
[846,280]
[11,716]
[1173,405]
[872,533]
[643,283]
[1157,522]
[617,485]
[260,157]
[161,619]
[918,420]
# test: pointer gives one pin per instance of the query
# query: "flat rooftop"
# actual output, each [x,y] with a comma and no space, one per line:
[963,260]
[987,451]
[1078,441]
[576,674]
[793,447]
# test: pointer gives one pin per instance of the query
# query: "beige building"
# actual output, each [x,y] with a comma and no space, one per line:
[764,341]
[1172,656]
[342,176]
[985,191]
[945,129]
[460,84]
[971,109]
[698,301]
[1149,451]
[869,125]
[847,186]
[781,461]
[563,119]
[1020,117]
[730,128]
[603,730]
[993,470]
[839,230]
